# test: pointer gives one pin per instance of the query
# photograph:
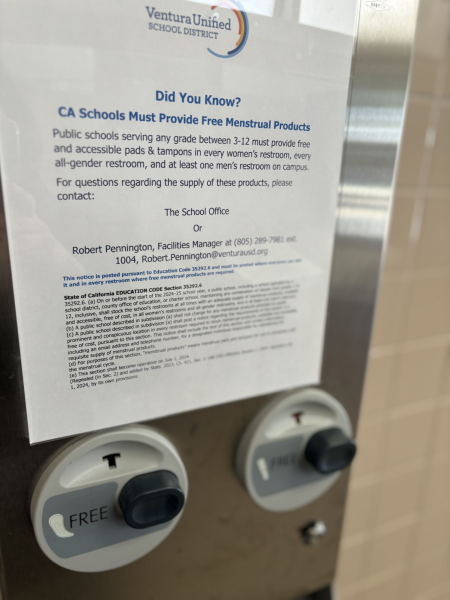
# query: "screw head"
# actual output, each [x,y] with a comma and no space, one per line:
[313,532]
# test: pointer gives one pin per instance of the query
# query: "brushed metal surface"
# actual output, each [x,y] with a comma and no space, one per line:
[225,546]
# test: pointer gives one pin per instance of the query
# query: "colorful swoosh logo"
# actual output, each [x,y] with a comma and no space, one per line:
[241,15]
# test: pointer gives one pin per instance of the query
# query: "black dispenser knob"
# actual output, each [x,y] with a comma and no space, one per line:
[151,499]
[330,450]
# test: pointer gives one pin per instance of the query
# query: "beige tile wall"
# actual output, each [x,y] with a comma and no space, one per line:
[396,540]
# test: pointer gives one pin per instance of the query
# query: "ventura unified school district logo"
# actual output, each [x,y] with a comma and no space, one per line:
[209,27]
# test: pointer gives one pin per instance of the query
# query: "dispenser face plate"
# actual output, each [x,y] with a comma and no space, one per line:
[75,507]
[271,461]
